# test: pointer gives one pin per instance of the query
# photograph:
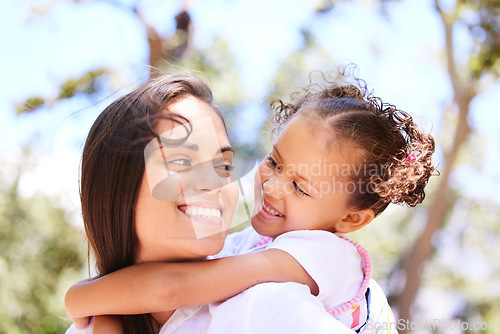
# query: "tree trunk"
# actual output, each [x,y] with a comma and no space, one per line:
[422,249]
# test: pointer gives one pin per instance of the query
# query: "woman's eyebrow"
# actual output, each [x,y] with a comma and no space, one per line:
[191,146]
[163,141]
[225,149]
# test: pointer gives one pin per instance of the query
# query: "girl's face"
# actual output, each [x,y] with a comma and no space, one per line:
[186,201]
[303,184]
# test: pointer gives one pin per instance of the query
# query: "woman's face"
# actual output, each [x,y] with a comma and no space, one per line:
[186,199]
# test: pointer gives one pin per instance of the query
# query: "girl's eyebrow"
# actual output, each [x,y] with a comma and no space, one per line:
[277,152]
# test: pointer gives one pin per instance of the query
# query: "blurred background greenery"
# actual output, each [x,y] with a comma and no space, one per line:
[65,60]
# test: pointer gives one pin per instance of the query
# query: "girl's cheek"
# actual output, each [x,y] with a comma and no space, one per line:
[264,172]
[232,192]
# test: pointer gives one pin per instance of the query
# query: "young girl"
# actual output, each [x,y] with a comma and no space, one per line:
[341,158]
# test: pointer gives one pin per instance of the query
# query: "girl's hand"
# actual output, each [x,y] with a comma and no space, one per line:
[81,323]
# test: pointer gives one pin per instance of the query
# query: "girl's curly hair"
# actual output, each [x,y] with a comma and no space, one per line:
[397,151]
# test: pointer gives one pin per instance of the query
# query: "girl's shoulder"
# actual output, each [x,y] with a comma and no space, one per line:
[241,242]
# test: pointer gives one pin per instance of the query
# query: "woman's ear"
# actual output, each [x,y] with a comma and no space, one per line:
[354,221]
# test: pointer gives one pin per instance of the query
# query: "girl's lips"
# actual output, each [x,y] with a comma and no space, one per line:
[263,214]
[269,212]
[272,209]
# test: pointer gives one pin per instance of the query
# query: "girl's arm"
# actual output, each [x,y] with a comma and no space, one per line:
[157,287]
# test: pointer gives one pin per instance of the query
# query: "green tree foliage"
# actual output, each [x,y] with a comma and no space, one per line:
[485,31]
[41,255]
[86,85]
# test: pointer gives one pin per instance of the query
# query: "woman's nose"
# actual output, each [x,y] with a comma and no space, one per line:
[207,178]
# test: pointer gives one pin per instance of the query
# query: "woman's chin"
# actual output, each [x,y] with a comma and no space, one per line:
[214,243]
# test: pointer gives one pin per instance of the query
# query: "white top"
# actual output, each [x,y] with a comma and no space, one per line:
[265,308]
[330,259]
[280,307]
[268,308]
[332,263]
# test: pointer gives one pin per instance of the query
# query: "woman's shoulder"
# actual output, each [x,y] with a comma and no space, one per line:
[381,319]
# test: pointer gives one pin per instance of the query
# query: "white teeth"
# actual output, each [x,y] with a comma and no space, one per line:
[216,213]
[272,211]
[201,211]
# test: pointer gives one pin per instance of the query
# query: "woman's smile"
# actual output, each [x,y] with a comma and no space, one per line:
[205,212]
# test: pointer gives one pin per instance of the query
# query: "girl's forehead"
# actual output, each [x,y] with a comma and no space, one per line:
[309,140]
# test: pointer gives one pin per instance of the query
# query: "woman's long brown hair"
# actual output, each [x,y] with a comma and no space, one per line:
[113,168]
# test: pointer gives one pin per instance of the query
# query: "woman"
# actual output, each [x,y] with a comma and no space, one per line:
[156,186]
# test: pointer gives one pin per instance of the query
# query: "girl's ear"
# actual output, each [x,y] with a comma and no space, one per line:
[354,221]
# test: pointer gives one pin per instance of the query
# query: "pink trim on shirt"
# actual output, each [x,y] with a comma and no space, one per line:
[264,240]
[367,268]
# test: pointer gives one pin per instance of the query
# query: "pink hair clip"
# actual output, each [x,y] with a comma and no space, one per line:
[410,157]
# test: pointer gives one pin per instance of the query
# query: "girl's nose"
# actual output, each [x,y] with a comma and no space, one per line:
[273,187]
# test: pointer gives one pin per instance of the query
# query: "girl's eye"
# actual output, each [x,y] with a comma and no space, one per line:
[273,164]
[298,190]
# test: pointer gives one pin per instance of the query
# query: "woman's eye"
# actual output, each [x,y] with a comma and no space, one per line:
[179,165]
[224,170]
[298,190]
[181,162]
